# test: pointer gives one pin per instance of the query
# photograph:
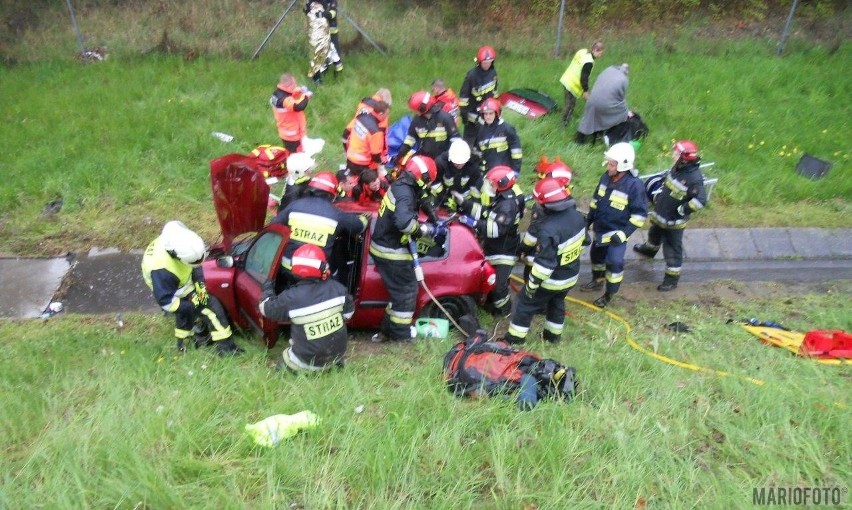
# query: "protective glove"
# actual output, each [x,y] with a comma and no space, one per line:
[426,230]
[467,221]
[199,297]
[589,238]
[615,238]
[457,197]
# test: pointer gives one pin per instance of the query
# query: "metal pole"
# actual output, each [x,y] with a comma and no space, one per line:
[76,28]
[559,29]
[272,30]
[787,28]
[361,31]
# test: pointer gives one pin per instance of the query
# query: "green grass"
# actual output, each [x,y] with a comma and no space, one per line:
[97,417]
[126,142]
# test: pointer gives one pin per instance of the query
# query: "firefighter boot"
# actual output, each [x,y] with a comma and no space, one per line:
[596,283]
[227,347]
[549,336]
[645,249]
[669,283]
[604,300]
[181,348]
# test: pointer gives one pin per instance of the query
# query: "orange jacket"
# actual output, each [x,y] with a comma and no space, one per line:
[365,141]
[367,104]
[288,107]
[449,103]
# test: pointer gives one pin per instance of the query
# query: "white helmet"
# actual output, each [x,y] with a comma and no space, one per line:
[183,244]
[622,153]
[298,164]
[459,152]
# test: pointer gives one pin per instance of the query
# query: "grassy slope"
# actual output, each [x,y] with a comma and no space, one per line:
[126,142]
[99,417]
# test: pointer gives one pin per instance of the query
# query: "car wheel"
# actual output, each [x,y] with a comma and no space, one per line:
[456,306]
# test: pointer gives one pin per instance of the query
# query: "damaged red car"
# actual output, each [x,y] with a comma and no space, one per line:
[249,254]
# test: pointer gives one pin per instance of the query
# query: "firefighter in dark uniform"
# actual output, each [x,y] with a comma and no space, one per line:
[479,84]
[334,31]
[617,209]
[497,142]
[458,173]
[300,169]
[433,128]
[562,173]
[561,235]
[397,225]
[171,268]
[313,219]
[675,196]
[317,309]
[495,219]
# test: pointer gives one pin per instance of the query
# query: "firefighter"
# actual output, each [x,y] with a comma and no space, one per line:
[432,129]
[171,268]
[458,173]
[446,98]
[618,208]
[557,263]
[288,107]
[495,219]
[319,37]
[365,139]
[334,32]
[313,219]
[479,84]
[300,169]
[675,196]
[575,79]
[397,225]
[545,168]
[317,309]
[497,142]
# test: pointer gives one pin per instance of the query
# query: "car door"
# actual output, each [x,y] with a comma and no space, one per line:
[260,263]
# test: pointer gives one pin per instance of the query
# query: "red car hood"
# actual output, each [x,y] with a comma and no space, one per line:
[240,195]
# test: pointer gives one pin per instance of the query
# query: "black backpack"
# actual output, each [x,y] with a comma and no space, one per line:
[634,128]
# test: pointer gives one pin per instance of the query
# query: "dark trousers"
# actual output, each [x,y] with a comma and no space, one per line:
[570,103]
[499,297]
[612,256]
[671,240]
[293,146]
[213,318]
[399,279]
[551,302]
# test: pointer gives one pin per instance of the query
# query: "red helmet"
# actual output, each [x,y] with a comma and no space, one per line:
[325,181]
[309,262]
[502,178]
[421,102]
[556,169]
[423,169]
[490,105]
[550,193]
[687,150]
[486,53]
